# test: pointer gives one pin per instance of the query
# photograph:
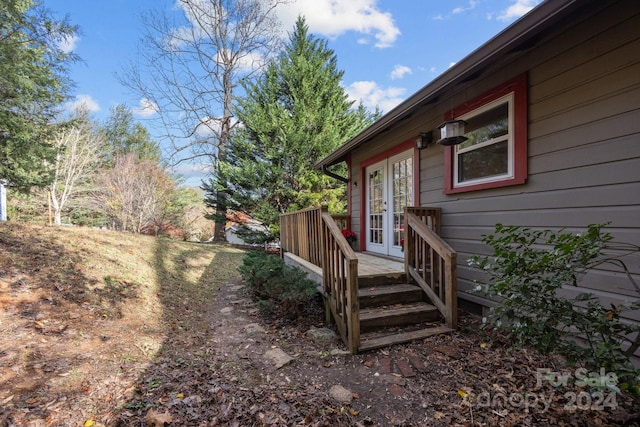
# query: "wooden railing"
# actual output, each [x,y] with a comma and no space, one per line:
[342,221]
[315,236]
[430,261]
[300,234]
[340,282]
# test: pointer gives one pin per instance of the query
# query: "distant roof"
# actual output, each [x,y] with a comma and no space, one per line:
[522,34]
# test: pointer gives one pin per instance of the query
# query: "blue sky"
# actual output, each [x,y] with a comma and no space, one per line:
[388,49]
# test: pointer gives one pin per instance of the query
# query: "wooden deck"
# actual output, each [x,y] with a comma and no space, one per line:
[370,264]
[375,300]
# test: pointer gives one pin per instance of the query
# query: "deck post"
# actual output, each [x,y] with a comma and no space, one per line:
[451,298]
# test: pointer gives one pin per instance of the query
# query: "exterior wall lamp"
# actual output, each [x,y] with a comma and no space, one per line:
[423,140]
[452,132]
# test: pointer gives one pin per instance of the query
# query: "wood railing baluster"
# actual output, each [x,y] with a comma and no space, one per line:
[315,236]
[427,251]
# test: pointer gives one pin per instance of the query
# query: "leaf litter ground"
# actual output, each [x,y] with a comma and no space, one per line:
[101,328]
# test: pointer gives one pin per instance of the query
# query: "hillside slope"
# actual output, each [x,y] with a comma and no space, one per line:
[82,312]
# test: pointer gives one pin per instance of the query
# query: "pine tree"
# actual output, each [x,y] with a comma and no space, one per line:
[292,116]
[124,136]
[33,84]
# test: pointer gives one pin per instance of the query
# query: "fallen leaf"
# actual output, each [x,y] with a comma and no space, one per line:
[462,393]
[38,324]
[438,415]
[156,419]
[353,411]
[180,395]
[89,423]
[483,345]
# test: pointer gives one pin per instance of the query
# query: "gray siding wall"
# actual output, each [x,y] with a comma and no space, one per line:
[584,147]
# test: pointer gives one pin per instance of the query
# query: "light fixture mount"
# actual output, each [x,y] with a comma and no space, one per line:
[423,140]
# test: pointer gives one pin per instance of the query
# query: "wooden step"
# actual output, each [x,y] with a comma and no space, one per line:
[396,315]
[377,341]
[381,279]
[389,295]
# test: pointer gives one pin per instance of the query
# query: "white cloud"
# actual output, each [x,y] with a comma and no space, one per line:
[519,8]
[146,108]
[399,71]
[462,9]
[69,43]
[83,101]
[371,95]
[200,15]
[192,173]
[211,126]
[188,170]
[332,18]
[208,126]
[247,62]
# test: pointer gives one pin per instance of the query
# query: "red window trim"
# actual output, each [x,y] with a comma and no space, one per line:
[405,146]
[349,184]
[518,86]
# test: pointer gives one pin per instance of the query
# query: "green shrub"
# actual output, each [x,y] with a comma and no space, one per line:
[527,272]
[271,279]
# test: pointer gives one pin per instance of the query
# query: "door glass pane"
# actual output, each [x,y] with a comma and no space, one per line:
[402,195]
[376,203]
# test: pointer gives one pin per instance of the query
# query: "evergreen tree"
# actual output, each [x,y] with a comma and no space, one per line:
[293,115]
[33,84]
[125,136]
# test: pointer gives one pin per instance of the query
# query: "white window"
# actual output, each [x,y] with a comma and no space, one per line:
[487,154]
[495,153]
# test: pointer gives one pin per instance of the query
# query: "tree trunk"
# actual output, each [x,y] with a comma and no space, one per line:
[225,133]
[57,215]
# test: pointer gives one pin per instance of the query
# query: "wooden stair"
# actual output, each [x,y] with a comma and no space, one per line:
[394,314]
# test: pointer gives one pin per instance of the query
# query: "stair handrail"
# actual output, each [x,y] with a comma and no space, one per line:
[431,262]
[340,282]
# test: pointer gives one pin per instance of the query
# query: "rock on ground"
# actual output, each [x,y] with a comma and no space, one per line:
[278,357]
[340,394]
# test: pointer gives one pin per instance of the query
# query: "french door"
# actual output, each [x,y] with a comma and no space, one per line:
[389,190]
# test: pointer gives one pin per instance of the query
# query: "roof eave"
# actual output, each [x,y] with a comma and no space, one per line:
[507,40]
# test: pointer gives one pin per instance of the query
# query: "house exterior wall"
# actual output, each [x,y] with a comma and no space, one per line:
[583,146]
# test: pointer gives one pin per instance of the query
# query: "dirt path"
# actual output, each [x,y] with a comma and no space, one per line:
[426,383]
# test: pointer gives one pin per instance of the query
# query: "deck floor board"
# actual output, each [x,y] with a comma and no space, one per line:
[373,265]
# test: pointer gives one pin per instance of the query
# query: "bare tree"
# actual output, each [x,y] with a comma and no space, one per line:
[134,194]
[187,72]
[78,150]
